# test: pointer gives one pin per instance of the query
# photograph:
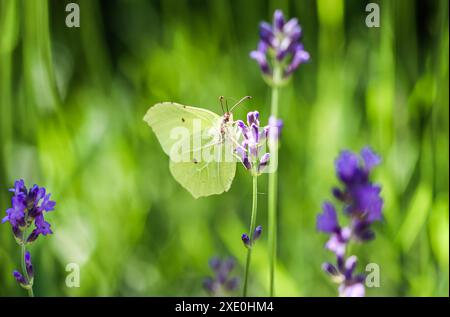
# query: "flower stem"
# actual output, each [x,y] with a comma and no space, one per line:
[273,185]
[252,231]
[25,272]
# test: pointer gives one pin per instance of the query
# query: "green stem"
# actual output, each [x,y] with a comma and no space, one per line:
[273,185]
[25,272]
[252,231]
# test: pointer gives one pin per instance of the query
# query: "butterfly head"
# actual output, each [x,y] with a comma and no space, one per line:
[227,112]
[227,117]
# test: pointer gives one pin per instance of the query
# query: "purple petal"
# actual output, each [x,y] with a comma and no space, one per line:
[255,133]
[347,166]
[330,269]
[244,129]
[327,221]
[232,284]
[336,245]
[19,187]
[253,118]
[229,264]
[265,32]
[29,265]
[247,163]
[300,57]
[278,20]
[371,159]
[292,29]
[241,152]
[257,233]
[19,278]
[246,240]
[47,204]
[367,202]
[261,59]
[350,265]
[264,160]
[215,263]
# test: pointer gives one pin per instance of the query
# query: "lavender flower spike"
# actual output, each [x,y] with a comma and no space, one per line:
[28,207]
[252,139]
[222,282]
[248,242]
[280,44]
[363,205]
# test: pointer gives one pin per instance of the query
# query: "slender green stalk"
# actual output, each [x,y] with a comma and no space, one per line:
[252,230]
[25,272]
[273,184]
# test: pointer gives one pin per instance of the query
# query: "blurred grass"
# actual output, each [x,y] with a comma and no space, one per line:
[72,102]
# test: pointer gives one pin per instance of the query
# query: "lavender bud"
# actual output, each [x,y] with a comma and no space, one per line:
[244,130]
[300,56]
[19,278]
[229,265]
[278,20]
[253,118]
[371,159]
[255,132]
[247,163]
[350,265]
[261,59]
[265,32]
[257,233]
[264,161]
[246,240]
[232,284]
[215,263]
[330,269]
[29,265]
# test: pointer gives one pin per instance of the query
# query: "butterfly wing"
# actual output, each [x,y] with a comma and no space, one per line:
[174,124]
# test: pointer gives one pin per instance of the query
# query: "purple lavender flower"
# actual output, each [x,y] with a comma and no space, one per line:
[327,222]
[280,44]
[252,140]
[28,207]
[257,233]
[362,205]
[29,265]
[20,279]
[222,282]
[26,280]
[248,242]
[350,285]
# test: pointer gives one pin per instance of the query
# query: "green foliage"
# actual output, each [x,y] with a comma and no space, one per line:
[71,108]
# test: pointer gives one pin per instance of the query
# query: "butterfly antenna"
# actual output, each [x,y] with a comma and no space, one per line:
[241,101]
[226,104]
[221,103]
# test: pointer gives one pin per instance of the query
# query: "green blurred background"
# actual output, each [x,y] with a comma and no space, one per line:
[71,107]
